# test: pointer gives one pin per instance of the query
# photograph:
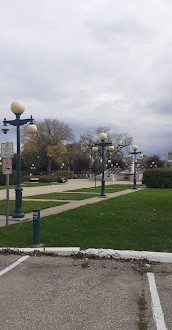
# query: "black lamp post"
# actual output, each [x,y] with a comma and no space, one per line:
[109,166]
[135,153]
[103,144]
[62,169]
[95,149]
[18,108]
[33,167]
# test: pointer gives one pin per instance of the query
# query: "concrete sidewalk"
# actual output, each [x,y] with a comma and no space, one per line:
[61,208]
[70,185]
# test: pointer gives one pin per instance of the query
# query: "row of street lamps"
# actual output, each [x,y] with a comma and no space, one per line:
[103,144]
[18,108]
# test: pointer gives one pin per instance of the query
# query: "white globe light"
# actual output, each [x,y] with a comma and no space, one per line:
[31,128]
[102,136]
[94,149]
[135,147]
[17,107]
[111,148]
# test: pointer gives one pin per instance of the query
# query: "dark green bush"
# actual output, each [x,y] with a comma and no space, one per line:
[51,178]
[158,178]
[26,178]
[46,178]
[64,174]
[12,178]
[2,179]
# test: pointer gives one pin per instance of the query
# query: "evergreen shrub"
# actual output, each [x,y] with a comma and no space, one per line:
[158,178]
[12,178]
[51,178]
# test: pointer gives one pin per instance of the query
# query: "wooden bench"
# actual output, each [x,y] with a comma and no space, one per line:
[34,179]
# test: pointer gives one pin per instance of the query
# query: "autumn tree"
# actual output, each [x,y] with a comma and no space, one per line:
[47,146]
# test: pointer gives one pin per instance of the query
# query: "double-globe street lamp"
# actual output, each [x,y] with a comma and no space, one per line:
[135,153]
[18,108]
[153,165]
[103,144]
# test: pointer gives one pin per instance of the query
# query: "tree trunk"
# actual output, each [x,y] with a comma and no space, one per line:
[49,166]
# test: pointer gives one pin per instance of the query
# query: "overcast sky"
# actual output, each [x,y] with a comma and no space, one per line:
[90,63]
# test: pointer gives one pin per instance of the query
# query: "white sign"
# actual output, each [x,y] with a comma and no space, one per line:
[7,150]
[6,165]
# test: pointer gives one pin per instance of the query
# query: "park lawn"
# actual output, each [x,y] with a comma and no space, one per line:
[28,206]
[137,221]
[108,188]
[63,196]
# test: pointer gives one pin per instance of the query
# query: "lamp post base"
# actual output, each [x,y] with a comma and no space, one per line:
[103,194]
[18,212]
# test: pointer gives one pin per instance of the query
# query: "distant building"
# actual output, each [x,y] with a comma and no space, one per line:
[170,156]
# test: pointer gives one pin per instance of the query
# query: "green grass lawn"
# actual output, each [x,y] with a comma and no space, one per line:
[138,221]
[64,196]
[28,206]
[108,188]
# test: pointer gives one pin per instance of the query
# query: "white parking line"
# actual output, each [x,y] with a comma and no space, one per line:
[16,263]
[156,305]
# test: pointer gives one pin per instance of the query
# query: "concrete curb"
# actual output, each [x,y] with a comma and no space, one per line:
[124,254]
[162,257]
[61,251]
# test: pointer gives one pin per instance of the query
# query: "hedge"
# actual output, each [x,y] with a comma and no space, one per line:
[67,174]
[158,178]
[42,178]
[12,178]
[51,178]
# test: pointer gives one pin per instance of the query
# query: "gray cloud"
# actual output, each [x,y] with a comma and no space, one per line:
[99,62]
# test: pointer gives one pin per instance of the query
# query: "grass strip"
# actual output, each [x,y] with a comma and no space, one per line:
[63,196]
[28,206]
[139,221]
[108,188]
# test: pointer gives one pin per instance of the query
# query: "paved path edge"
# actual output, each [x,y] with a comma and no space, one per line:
[162,257]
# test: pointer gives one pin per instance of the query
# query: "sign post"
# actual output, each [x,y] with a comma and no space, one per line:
[7,198]
[36,227]
[7,169]
[7,154]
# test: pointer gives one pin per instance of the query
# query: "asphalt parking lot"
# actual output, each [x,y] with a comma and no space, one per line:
[46,292]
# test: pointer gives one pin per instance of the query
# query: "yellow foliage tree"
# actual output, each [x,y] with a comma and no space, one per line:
[55,152]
